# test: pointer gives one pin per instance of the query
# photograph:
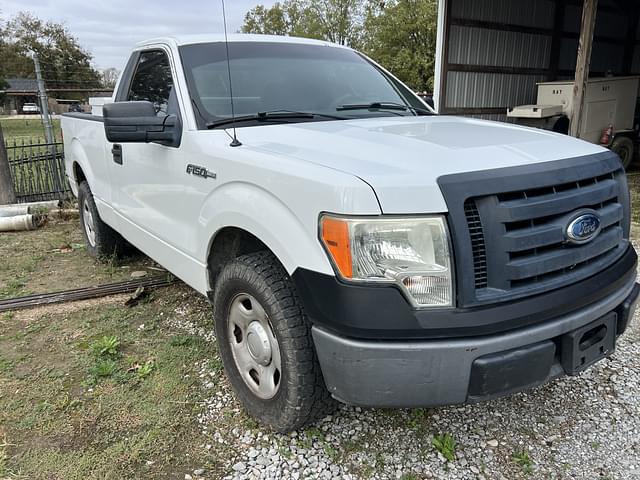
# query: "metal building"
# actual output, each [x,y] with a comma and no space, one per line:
[491,53]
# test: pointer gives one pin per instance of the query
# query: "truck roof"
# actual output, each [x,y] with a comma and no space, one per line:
[234,37]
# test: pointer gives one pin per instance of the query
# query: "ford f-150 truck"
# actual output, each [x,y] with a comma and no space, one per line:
[355,245]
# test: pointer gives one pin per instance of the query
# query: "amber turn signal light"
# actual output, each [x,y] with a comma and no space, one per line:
[335,236]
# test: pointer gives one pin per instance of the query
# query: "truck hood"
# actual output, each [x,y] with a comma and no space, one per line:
[401,158]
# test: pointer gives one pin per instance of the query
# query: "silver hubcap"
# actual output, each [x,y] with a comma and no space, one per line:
[254,346]
[89,227]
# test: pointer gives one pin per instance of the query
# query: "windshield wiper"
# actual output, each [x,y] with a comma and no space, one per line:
[273,115]
[382,106]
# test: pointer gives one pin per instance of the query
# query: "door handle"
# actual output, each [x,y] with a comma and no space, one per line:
[116,150]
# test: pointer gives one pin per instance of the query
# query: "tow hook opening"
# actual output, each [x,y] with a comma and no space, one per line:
[592,337]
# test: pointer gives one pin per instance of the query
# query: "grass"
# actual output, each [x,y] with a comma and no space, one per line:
[84,391]
[99,397]
[446,445]
[633,177]
[24,129]
[56,252]
[523,460]
[106,346]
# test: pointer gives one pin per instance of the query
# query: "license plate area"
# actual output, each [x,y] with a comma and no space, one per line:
[584,346]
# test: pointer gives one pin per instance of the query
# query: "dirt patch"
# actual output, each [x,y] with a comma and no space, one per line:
[54,258]
[29,315]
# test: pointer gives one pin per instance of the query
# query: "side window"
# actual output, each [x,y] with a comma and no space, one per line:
[152,80]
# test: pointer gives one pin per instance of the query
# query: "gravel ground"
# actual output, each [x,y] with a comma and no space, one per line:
[584,427]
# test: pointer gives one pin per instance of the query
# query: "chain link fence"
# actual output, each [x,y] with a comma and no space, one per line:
[37,169]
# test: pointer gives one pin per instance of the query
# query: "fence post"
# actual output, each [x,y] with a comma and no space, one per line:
[7,193]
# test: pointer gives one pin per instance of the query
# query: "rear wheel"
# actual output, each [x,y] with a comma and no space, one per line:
[623,147]
[102,241]
[264,338]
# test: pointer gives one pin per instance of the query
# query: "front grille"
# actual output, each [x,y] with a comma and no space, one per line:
[477,244]
[517,236]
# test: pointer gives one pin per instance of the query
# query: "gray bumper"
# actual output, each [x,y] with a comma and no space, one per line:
[434,372]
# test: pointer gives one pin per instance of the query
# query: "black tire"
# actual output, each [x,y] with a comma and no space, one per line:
[623,147]
[302,396]
[104,242]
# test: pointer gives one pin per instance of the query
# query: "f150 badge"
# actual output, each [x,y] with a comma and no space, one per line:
[200,171]
[583,228]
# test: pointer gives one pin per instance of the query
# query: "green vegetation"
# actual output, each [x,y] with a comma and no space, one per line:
[27,129]
[399,34]
[63,61]
[446,445]
[53,258]
[85,392]
[633,177]
[101,398]
[106,346]
[523,460]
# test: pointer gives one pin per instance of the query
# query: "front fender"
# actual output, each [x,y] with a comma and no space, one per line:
[259,212]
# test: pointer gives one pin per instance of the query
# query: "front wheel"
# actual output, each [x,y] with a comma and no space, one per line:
[265,343]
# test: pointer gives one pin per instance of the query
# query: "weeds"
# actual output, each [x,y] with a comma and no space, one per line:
[143,371]
[106,346]
[446,445]
[181,340]
[409,476]
[104,368]
[523,460]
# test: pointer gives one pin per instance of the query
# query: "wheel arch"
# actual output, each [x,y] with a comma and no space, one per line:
[252,220]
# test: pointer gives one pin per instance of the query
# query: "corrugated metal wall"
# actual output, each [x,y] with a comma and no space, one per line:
[497,50]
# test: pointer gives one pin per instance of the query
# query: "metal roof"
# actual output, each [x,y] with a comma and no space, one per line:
[21,85]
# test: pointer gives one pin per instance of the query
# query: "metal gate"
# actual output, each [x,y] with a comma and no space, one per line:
[37,169]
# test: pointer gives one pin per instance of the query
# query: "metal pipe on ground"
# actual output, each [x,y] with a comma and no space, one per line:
[19,223]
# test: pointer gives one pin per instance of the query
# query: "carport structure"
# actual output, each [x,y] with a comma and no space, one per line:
[492,53]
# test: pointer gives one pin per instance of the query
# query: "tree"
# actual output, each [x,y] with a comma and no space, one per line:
[64,62]
[109,77]
[398,34]
[401,36]
[337,21]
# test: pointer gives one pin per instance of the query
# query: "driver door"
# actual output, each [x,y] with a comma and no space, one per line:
[148,178]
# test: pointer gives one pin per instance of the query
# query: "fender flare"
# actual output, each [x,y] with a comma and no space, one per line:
[255,210]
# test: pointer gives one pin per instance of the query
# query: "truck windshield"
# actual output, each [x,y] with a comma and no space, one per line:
[328,82]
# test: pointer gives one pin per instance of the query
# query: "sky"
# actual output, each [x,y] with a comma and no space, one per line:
[109,29]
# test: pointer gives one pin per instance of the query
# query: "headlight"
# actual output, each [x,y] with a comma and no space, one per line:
[411,252]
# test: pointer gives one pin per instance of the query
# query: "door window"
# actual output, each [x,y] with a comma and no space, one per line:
[153,81]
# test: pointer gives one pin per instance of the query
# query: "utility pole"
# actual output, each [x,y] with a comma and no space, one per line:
[585,45]
[48,126]
[44,103]
[7,192]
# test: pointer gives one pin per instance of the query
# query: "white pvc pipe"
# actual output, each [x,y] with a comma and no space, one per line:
[17,223]
[47,205]
[13,210]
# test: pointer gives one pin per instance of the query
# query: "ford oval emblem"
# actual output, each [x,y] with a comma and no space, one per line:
[583,228]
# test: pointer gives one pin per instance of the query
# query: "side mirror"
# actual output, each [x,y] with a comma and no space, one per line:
[137,122]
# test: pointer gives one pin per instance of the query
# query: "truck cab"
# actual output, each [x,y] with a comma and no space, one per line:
[355,246]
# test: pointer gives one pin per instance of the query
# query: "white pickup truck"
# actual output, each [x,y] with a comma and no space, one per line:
[355,246]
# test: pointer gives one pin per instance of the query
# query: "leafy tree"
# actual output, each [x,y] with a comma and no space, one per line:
[270,21]
[401,36]
[63,61]
[398,34]
[338,21]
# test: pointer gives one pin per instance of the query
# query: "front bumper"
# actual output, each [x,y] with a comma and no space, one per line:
[391,373]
